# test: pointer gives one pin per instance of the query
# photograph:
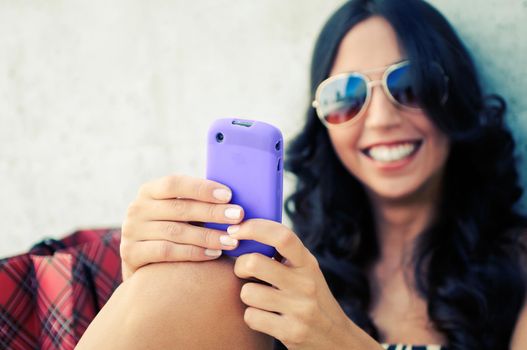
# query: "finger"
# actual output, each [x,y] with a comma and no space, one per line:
[185,210]
[139,254]
[274,234]
[275,302]
[183,233]
[183,186]
[281,327]
[263,297]
[265,322]
[263,268]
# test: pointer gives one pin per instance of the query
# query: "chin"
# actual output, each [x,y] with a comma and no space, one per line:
[409,189]
[393,192]
[392,195]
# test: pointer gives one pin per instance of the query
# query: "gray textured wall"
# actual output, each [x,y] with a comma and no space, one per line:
[97,97]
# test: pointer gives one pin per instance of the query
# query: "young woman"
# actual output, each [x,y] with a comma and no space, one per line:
[404,230]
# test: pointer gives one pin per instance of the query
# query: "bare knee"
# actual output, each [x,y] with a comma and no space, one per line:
[192,305]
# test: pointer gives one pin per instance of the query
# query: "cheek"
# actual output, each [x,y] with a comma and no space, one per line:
[345,144]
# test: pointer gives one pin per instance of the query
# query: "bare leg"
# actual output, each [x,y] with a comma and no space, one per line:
[190,305]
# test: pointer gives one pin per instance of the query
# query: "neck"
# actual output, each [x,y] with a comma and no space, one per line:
[399,222]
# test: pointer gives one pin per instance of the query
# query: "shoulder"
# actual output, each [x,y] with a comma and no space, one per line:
[519,336]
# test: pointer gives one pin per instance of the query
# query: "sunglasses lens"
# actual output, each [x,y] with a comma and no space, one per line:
[400,86]
[342,99]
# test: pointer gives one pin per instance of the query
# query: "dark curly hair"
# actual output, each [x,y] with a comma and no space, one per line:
[467,262]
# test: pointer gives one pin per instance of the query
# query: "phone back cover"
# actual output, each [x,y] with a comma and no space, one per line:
[249,163]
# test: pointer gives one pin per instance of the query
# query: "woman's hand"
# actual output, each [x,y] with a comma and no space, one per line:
[158,226]
[298,308]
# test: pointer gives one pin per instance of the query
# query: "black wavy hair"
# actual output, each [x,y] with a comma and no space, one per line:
[467,262]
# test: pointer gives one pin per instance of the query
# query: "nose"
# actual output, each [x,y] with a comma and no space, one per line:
[381,113]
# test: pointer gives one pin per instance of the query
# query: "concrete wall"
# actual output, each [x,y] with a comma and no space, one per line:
[98,97]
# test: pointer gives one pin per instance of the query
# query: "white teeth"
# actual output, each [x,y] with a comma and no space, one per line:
[391,153]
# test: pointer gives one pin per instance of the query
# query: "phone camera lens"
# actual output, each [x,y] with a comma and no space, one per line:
[219,137]
[277,146]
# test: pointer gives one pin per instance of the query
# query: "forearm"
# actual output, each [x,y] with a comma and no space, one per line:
[180,305]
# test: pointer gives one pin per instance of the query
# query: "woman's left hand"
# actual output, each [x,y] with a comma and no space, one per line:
[298,308]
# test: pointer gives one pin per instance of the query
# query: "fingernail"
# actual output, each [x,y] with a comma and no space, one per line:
[212,252]
[222,194]
[233,213]
[226,240]
[233,229]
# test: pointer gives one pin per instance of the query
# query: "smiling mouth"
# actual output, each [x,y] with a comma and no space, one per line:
[392,153]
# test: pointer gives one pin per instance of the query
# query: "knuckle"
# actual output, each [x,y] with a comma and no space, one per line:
[298,334]
[309,287]
[143,190]
[167,184]
[285,238]
[202,188]
[146,189]
[126,228]
[174,231]
[192,252]
[212,211]
[124,250]
[309,312]
[251,263]
[210,238]
[165,250]
[133,209]
[313,260]
[178,207]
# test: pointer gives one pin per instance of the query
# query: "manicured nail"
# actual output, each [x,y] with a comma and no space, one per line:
[233,213]
[212,252]
[226,240]
[233,229]
[222,194]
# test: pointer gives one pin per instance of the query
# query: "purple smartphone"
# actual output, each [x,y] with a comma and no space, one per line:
[246,155]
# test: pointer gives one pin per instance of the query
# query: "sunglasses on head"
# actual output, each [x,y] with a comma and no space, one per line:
[341,99]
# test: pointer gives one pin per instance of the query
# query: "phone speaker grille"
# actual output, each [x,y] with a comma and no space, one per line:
[242,123]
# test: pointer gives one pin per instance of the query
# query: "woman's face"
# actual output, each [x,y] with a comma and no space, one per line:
[374,148]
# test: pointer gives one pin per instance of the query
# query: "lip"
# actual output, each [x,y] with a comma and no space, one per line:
[393,165]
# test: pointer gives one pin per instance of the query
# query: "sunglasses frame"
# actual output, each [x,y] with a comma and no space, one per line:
[370,84]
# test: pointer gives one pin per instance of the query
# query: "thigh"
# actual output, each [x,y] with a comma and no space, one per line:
[190,305]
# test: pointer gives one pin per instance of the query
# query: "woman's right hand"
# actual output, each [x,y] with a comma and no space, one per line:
[159,223]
